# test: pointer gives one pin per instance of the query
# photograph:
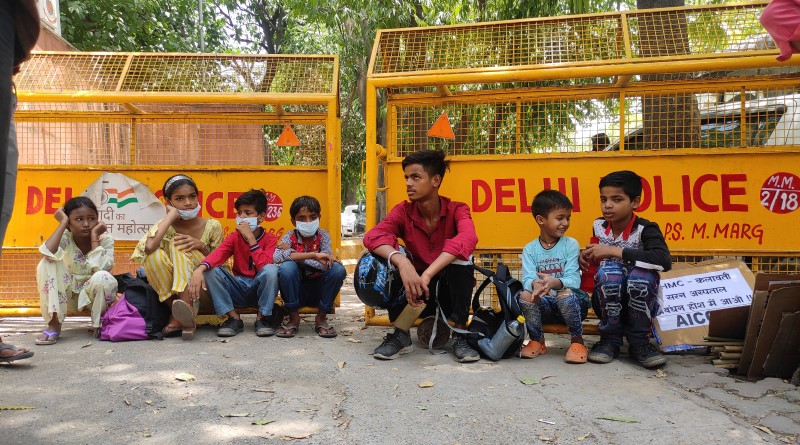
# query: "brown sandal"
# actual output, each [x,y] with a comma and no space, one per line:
[184,314]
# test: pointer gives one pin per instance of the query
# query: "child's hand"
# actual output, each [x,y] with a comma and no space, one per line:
[186,243]
[283,246]
[528,297]
[244,228]
[416,287]
[172,213]
[540,289]
[583,262]
[99,229]
[324,258]
[197,282]
[596,252]
[60,216]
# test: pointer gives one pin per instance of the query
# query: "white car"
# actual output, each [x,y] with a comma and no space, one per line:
[349,220]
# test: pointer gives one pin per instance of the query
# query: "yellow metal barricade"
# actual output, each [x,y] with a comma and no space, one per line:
[215,117]
[690,98]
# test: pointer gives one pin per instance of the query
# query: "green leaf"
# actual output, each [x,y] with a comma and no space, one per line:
[263,422]
[619,419]
[14,407]
[529,381]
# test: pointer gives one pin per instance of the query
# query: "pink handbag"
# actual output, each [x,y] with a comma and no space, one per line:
[123,322]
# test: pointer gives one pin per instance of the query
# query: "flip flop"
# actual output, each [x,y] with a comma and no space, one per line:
[318,329]
[52,338]
[286,332]
[20,356]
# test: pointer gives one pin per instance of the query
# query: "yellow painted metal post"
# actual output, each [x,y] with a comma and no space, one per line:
[372,171]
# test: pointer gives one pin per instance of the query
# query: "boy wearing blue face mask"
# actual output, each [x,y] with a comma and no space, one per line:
[254,279]
[308,272]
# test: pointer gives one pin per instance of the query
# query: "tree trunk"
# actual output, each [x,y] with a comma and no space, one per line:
[669,121]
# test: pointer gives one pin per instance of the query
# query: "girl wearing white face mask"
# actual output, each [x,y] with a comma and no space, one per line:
[173,248]
[308,274]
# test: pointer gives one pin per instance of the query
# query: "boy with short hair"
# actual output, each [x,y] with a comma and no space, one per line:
[631,252]
[254,279]
[440,237]
[551,278]
[308,272]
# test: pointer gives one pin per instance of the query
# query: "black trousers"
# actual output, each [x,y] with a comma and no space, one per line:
[451,289]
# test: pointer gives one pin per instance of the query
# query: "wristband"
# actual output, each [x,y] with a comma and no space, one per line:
[389,258]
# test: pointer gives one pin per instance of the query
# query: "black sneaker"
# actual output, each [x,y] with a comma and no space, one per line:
[463,351]
[394,344]
[263,328]
[647,355]
[603,352]
[230,328]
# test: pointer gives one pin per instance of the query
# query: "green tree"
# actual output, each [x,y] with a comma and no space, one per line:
[139,25]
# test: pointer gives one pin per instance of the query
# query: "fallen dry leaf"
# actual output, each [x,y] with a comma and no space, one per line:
[88,343]
[264,390]
[13,407]
[341,364]
[425,384]
[235,415]
[764,429]
[582,438]
[295,437]
[148,402]
[354,340]
[661,373]
[185,377]
[127,402]
[263,422]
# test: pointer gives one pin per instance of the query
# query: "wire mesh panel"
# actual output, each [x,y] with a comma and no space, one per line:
[638,35]
[694,115]
[18,284]
[189,73]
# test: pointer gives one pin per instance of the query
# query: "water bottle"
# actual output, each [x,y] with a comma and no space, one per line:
[587,276]
[494,348]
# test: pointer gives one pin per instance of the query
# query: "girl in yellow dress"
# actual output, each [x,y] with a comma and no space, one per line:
[75,270]
[173,248]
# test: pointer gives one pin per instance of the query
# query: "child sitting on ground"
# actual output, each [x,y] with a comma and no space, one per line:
[631,252]
[254,279]
[308,272]
[551,276]
[75,270]
[173,248]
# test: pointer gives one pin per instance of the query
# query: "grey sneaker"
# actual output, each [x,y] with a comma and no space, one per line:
[394,344]
[603,352]
[263,328]
[230,327]
[463,351]
[647,355]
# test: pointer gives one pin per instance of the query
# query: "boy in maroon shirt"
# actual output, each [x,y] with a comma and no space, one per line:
[254,279]
[439,236]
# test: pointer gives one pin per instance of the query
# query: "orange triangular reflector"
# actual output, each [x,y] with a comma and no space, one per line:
[442,128]
[288,138]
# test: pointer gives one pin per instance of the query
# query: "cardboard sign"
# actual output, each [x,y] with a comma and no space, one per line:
[689,293]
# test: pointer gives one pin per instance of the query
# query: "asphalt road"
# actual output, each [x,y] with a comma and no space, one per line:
[251,390]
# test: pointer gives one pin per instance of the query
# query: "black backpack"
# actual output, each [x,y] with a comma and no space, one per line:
[141,295]
[486,320]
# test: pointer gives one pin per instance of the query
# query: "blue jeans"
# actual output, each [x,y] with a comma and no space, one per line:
[626,301]
[229,291]
[569,307]
[319,292]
